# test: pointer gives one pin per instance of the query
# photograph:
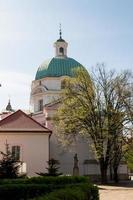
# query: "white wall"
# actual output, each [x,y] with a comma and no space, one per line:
[52,83]
[123,169]
[66,156]
[34,149]
[53,92]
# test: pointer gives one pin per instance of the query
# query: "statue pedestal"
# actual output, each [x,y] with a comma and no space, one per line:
[75,171]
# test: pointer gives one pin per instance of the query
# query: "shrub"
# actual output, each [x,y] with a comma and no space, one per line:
[23,191]
[61,180]
[52,168]
[81,192]
[37,186]
[8,165]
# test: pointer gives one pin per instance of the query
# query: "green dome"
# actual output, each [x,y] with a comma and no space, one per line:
[57,67]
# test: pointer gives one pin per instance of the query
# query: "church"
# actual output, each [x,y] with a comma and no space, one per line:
[32,137]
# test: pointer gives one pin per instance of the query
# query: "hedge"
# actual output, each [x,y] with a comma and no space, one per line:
[29,191]
[23,189]
[82,192]
[60,180]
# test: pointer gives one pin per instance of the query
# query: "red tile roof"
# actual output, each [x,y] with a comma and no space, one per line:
[19,121]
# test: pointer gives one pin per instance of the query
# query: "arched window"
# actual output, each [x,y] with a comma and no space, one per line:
[61,50]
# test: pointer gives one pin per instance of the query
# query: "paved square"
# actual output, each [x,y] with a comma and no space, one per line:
[121,192]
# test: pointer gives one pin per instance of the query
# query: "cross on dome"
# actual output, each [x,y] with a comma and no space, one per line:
[60,32]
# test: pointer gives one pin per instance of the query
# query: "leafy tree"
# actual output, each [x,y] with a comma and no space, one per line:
[52,168]
[8,165]
[96,108]
[129,154]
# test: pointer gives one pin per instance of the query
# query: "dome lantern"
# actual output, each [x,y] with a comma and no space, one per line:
[60,46]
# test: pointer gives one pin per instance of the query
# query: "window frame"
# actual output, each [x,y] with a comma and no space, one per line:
[16,150]
[40,105]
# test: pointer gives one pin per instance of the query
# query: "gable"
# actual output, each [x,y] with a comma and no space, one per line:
[19,121]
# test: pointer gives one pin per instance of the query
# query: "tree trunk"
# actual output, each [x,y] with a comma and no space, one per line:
[103,169]
[116,179]
[103,176]
[111,173]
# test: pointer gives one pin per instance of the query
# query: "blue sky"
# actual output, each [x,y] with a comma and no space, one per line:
[96,30]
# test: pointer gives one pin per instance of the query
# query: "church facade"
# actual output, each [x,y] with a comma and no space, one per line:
[45,93]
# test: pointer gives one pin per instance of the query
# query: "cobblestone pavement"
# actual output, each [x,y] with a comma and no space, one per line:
[123,191]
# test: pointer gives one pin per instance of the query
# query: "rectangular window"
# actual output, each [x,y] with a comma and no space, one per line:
[40,105]
[16,152]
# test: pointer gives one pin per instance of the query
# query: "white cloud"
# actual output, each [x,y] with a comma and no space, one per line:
[15,86]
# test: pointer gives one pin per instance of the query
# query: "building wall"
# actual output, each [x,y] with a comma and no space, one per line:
[84,153]
[40,117]
[52,83]
[34,149]
[47,89]
[66,156]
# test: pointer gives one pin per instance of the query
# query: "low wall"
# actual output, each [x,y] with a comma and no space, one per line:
[97,178]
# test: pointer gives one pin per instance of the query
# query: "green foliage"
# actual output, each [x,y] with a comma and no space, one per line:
[37,186]
[8,165]
[61,180]
[81,192]
[129,156]
[52,168]
[22,191]
[69,120]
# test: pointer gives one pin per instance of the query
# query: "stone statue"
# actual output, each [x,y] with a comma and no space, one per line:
[75,168]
